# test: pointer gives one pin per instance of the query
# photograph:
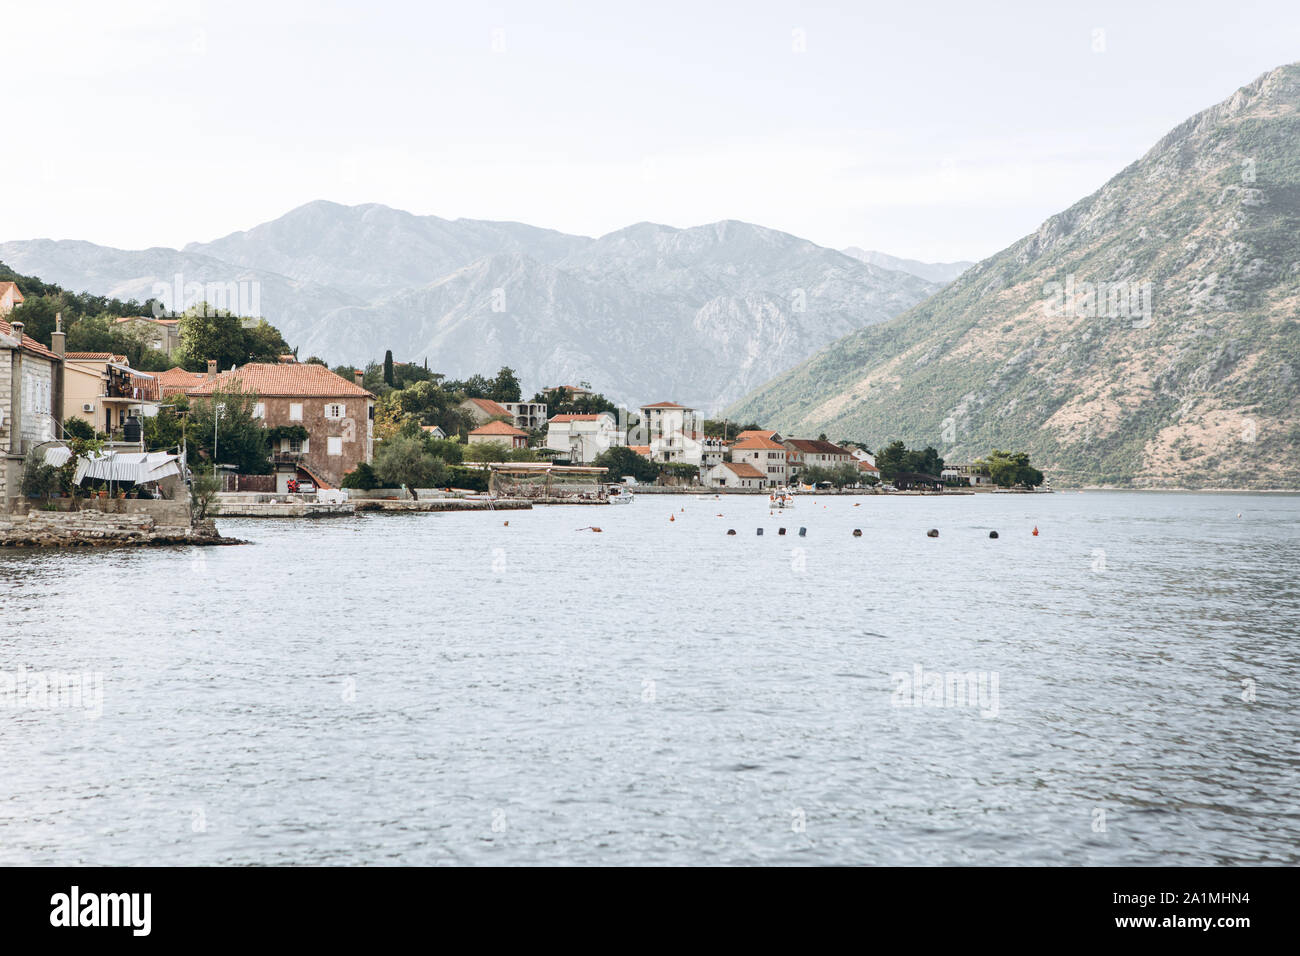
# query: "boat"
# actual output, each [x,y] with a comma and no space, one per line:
[618,495]
[781,498]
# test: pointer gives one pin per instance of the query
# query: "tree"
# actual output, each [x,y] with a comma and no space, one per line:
[362,478]
[39,479]
[203,493]
[404,461]
[897,457]
[210,333]
[505,387]
[487,451]
[621,461]
[241,438]
[1010,469]
[388,369]
[79,428]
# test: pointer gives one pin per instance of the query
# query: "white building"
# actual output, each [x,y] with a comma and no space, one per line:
[673,432]
[731,474]
[767,456]
[527,415]
[583,437]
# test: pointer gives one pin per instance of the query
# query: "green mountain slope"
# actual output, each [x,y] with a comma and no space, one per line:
[1182,371]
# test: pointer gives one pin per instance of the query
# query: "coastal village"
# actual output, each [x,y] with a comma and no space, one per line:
[84,428]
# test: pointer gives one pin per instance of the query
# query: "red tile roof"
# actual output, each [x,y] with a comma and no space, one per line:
[643,450]
[490,407]
[815,446]
[146,318]
[498,428]
[29,343]
[308,380]
[665,405]
[751,433]
[743,469]
[867,466]
[750,444]
[6,286]
[575,418]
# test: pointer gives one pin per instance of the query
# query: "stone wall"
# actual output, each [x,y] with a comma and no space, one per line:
[61,529]
[164,513]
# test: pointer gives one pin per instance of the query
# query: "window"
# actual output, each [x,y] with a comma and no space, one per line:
[295,445]
[335,445]
[334,411]
[259,410]
[295,411]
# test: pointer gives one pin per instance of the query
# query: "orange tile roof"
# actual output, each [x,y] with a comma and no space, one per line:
[750,444]
[308,380]
[751,433]
[640,449]
[575,418]
[489,406]
[29,343]
[498,428]
[867,466]
[6,286]
[665,405]
[89,356]
[743,469]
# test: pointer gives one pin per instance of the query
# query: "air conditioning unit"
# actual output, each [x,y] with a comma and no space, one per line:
[87,407]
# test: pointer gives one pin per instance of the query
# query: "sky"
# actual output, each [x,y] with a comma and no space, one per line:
[936,131]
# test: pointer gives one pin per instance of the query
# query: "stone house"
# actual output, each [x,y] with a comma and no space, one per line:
[31,387]
[338,416]
[815,453]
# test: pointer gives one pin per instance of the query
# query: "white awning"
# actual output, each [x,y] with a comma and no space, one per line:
[128,466]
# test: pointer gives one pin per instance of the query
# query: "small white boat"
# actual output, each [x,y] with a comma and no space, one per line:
[618,495]
[781,499]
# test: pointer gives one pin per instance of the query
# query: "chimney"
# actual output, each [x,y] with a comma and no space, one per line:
[58,337]
[212,368]
[359,375]
[18,331]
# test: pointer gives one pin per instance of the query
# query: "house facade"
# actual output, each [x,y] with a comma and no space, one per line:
[814,453]
[338,416]
[9,297]
[163,335]
[767,456]
[732,474]
[31,382]
[583,437]
[673,432]
[101,389]
[501,432]
[526,415]
[484,410]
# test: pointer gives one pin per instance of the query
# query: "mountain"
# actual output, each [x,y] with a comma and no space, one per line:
[647,313]
[941,272]
[372,250]
[1186,375]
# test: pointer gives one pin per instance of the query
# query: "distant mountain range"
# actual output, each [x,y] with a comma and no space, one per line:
[1149,335]
[941,272]
[647,313]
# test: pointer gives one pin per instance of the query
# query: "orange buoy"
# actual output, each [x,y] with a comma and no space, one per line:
[506,523]
[674,518]
[1035,531]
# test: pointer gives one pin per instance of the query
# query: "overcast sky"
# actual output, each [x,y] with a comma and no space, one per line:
[936,131]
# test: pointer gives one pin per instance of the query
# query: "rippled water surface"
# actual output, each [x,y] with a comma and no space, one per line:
[452,689]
